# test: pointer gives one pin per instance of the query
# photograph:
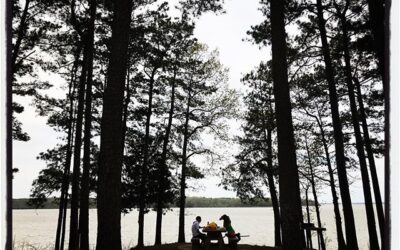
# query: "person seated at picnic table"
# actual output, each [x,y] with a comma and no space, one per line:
[196,229]
[230,232]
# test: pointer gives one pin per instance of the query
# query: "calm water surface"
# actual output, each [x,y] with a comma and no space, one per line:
[38,227]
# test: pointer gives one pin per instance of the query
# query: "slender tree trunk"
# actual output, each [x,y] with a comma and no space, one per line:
[65,208]
[373,238]
[272,190]
[335,199]
[290,201]
[20,36]
[64,219]
[351,235]
[163,166]
[308,234]
[316,203]
[68,156]
[111,140]
[84,199]
[143,180]
[182,199]
[371,161]
[65,182]
[74,227]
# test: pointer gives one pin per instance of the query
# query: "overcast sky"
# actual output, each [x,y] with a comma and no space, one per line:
[224,32]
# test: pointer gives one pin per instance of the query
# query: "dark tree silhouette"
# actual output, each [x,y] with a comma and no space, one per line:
[290,202]
[255,166]
[111,142]
[161,92]
[351,236]
[208,102]
[314,192]
[73,243]
[377,25]
[335,199]
[85,189]
[373,238]
[59,242]
[371,159]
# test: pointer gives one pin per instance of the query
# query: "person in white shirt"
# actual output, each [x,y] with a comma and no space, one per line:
[196,229]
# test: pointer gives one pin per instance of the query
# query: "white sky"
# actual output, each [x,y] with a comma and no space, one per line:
[224,32]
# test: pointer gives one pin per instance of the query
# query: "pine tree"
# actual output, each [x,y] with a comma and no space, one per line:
[111,144]
[351,236]
[255,166]
[208,102]
[290,202]
[84,195]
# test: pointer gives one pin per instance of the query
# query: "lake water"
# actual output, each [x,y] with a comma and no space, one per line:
[36,229]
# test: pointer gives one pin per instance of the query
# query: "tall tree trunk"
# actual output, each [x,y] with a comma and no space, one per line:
[272,190]
[7,158]
[371,161]
[111,140]
[68,156]
[386,90]
[20,36]
[376,17]
[373,238]
[351,235]
[163,166]
[314,191]
[290,201]
[335,199]
[74,227]
[84,199]
[65,207]
[143,174]
[182,198]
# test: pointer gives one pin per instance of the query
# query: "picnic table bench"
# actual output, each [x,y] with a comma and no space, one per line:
[308,228]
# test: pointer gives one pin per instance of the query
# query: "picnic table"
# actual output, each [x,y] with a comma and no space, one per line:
[214,234]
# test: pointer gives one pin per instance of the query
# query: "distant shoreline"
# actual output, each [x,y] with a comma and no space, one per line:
[191,202]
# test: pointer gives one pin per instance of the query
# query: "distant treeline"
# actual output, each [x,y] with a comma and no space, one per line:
[52,203]
[226,202]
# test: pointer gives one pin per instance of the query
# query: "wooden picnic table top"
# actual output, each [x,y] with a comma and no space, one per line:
[218,229]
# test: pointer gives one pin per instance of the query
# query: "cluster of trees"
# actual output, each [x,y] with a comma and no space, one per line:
[314,114]
[140,91]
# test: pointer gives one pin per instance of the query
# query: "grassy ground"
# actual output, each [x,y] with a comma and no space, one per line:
[176,246]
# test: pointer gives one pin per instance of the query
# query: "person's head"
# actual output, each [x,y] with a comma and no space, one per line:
[198,218]
[225,218]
